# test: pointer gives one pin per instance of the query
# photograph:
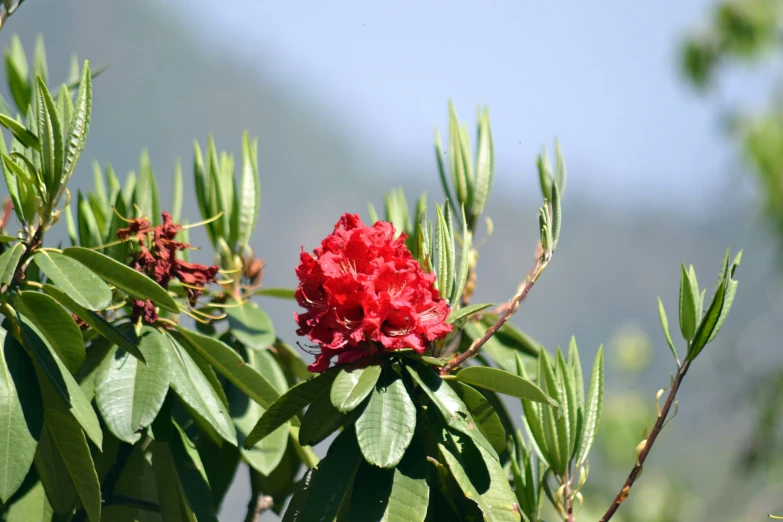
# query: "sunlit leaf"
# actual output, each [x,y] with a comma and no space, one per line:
[74,279]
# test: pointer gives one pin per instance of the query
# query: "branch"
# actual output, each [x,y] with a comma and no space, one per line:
[513,305]
[637,469]
[8,12]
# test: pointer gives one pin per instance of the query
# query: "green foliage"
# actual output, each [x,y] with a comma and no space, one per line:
[133,382]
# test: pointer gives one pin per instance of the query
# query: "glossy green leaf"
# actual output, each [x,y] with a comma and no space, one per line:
[80,123]
[487,418]
[57,326]
[198,395]
[20,132]
[494,496]
[226,361]
[63,459]
[399,494]
[59,389]
[454,412]
[595,399]
[220,466]
[33,506]
[125,340]
[352,386]
[190,478]
[569,405]
[251,326]
[385,428]
[320,420]
[503,382]
[330,483]
[74,279]
[461,313]
[267,454]
[129,393]
[50,135]
[665,326]
[123,277]
[288,405]
[136,481]
[64,106]
[555,423]
[9,261]
[688,306]
[21,407]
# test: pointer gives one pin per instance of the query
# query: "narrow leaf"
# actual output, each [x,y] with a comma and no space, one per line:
[688,306]
[595,398]
[504,382]
[665,326]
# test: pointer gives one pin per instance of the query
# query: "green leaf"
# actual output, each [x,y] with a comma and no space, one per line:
[18,73]
[231,366]
[123,277]
[79,125]
[20,132]
[461,313]
[504,382]
[189,480]
[129,393]
[30,507]
[330,483]
[464,263]
[731,290]
[487,418]
[570,407]
[57,326]
[11,181]
[288,405]
[385,428]
[399,494]
[251,326]
[250,199]
[665,325]
[176,192]
[688,306]
[63,459]
[595,399]
[454,412]
[557,217]
[125,340]
[89,230]
[21,407]
[494,496]
[220,466]
[484,164]
[197,394]
[74,279]
[280,293]
[59,389]
[708,323]
[142,194]
[64,106]
[320,420]
[352,386]
[51,139]
[9,261]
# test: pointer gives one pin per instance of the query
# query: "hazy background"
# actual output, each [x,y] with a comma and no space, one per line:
[344,97]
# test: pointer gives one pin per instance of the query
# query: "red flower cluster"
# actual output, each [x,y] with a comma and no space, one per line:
[157,258]
[364,292]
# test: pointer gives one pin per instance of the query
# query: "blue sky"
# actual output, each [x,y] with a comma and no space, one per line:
[602,76]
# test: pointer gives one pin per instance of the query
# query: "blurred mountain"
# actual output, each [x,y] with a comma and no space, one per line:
[166,86]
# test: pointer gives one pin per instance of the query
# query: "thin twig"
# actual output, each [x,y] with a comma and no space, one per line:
[513,305]
[626,489]
[8,12]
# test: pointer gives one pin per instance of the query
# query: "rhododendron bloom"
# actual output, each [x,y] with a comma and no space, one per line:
[365,293]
